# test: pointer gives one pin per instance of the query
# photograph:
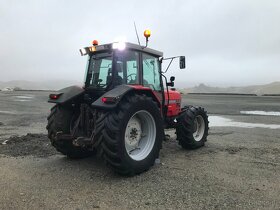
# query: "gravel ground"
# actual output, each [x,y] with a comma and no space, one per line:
[237,169]
[37,145]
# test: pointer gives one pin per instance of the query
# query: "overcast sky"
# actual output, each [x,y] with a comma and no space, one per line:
[226,42]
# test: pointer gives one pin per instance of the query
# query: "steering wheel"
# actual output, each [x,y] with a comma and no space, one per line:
[130,75]
[100,85]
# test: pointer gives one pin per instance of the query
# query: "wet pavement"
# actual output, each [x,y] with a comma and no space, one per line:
[237,169]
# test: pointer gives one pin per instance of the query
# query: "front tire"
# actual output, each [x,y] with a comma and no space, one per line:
[133,135]
[192,127]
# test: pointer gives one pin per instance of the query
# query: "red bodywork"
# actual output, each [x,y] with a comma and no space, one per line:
[174,105]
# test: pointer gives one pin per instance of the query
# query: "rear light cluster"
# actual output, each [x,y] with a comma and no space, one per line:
[54,96]
[109,100]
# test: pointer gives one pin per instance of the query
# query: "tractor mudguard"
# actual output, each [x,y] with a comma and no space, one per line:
[111,98]
[66,94]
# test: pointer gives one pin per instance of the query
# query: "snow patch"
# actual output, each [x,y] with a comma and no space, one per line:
[217,121]
[4,142]
[261,113]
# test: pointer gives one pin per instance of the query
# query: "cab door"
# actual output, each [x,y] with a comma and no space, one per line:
[151,74]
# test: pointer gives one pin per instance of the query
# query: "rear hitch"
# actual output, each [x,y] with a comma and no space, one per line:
[78,142]
[63,137]
[82,142]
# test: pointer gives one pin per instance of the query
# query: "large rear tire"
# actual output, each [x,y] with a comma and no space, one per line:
[192,127]
[59,120]
[132,135]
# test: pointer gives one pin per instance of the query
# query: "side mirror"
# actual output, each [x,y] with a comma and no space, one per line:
[182,62]
[171,83]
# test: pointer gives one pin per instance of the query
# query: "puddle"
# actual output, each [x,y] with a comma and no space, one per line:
[7,112]
[25,97]
[261,113]
[21,100]
[217,121]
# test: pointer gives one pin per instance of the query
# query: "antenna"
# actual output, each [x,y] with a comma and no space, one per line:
[137,34]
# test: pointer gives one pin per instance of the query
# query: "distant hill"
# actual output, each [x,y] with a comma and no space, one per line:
[272,88]
[44,85]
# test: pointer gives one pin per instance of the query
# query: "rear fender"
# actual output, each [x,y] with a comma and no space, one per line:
[115,95]
[66,94]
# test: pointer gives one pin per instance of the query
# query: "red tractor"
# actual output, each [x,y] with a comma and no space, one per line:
[123,109]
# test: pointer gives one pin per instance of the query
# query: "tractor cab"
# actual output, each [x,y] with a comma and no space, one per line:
[123,63]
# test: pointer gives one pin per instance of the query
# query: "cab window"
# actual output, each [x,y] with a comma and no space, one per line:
[151,76]
[99,70]
[127,66]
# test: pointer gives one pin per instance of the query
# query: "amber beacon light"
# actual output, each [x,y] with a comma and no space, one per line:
[147,33]
[94,42]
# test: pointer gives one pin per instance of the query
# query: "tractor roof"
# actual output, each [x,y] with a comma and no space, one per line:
[123,46]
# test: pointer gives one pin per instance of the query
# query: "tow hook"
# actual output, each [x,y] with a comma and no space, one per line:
[82,142]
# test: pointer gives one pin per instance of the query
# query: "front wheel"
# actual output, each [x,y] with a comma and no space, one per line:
[192,127]
[133,135]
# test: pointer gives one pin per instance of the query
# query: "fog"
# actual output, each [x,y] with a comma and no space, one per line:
[233,42]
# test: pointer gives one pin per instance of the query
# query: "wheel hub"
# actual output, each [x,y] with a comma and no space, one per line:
[140,135]
[133,132]
[199,128]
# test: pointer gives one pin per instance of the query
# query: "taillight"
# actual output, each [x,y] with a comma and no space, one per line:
[109,100]
[54,96]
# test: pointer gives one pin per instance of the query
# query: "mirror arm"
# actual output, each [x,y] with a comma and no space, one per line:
[172,58]
[168,64]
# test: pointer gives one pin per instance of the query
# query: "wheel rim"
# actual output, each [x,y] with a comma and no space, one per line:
[199,128]
[140,135]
